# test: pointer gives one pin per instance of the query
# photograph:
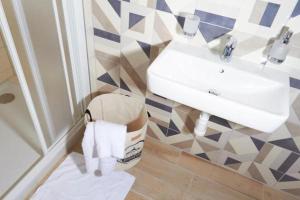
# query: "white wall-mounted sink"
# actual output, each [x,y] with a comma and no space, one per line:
[239,91]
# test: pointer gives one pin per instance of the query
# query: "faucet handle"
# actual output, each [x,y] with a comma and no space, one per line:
[286,37]
[229,47]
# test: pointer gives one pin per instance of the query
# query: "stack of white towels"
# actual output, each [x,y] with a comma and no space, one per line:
[103,143]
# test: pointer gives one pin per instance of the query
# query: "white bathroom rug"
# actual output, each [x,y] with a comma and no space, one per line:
[70,182]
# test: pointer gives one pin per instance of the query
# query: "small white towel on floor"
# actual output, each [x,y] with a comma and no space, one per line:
[68,182]
[102,144]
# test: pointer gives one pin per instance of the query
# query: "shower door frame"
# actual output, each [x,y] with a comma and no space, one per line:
[76,40]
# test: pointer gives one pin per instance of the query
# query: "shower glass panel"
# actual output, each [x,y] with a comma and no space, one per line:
[46,64]
[51,72]
[19,144]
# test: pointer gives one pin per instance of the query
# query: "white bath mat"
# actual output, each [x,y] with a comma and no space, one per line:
[70,182]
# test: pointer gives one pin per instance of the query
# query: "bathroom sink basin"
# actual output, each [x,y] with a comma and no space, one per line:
[239,91]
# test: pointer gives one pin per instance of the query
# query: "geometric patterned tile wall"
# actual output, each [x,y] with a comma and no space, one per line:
[106,22]
[129,35]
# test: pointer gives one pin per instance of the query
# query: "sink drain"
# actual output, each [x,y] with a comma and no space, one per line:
[6,98]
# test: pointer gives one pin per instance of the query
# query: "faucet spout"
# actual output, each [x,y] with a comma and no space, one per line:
[228,50]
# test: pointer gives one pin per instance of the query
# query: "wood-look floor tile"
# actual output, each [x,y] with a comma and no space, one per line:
[199,167]
[77,148]
[153,187]
[161,150]
[202,189]
[237,182]
[135,196]
[165,174]
[165,171]
[272,194]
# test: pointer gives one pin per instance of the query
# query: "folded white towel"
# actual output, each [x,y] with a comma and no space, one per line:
[107,165]
[89,148]
[105,141]
[110,141]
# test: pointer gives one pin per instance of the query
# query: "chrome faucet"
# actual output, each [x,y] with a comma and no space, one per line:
[280,48]
[229,47]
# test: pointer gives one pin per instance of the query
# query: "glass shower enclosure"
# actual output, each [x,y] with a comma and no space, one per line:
[40,96]
[19,145]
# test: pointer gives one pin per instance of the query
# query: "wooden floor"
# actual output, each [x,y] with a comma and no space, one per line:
[165,173]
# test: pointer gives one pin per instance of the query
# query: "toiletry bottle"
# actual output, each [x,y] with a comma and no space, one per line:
[280,48]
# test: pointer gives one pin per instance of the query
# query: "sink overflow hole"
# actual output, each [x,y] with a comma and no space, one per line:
[213,92]
[222,71]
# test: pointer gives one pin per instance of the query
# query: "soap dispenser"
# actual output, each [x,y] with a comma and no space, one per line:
[280,48]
